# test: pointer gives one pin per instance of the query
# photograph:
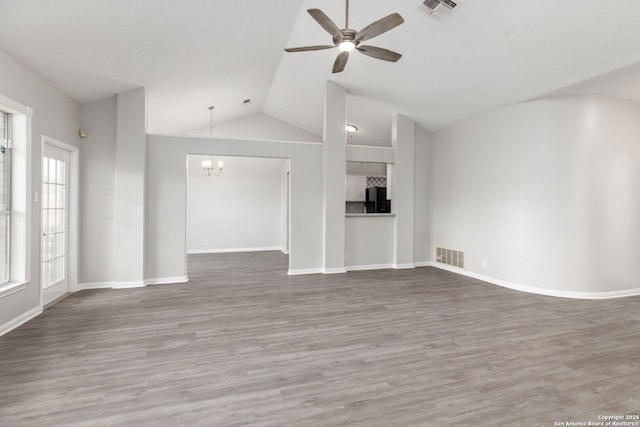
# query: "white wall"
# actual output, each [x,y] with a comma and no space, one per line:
[285,203]
[366,168]
[131,129]
[545,192]
[401,182]
[422,196]
[98,193]
[334,177]
[239,210]
[54,115]
[369,242]
[257,126]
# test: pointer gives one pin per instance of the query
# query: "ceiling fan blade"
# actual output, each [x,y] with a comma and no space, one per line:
[379,53]
[326,23]
[341,61]
[307,48]
[380,26]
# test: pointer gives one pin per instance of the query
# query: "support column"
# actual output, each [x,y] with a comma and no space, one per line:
[335,175]
[131,124]
[402,189]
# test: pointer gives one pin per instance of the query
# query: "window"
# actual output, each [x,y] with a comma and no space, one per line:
[5,195]
[15,187]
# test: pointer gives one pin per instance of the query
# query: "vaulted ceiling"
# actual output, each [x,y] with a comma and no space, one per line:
[190,54]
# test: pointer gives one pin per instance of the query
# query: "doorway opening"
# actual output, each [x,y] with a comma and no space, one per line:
[243,208]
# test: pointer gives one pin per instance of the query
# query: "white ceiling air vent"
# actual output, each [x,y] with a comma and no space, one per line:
[439,9]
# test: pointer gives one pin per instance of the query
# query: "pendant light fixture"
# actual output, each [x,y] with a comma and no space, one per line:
[208,165]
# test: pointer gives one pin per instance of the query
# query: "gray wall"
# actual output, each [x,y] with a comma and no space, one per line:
[165,219]
[544,192]
[98,193]
[54,115]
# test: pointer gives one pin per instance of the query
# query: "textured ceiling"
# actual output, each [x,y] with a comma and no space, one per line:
[194,53]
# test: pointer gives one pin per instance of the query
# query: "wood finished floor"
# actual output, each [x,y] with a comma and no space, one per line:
[245,344]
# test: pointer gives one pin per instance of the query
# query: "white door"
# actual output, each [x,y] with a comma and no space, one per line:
[55,223]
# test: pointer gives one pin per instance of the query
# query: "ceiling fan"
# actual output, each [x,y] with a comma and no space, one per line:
[348,39]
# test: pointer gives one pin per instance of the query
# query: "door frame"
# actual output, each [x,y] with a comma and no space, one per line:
[73,192]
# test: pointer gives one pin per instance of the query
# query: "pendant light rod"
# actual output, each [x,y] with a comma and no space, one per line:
[211,120]
[347,14]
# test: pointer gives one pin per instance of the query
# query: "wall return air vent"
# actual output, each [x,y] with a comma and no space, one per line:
[450,257]
[439,9]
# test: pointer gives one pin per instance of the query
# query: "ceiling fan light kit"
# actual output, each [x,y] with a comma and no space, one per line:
[347,39]
[347,46]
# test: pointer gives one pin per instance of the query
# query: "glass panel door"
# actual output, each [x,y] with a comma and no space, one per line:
[54,222]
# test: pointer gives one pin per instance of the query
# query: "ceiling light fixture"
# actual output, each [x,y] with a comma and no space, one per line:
[207,165]
[209,169]
[347,46]
[351,128]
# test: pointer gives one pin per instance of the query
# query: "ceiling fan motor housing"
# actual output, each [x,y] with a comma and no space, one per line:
[348,35]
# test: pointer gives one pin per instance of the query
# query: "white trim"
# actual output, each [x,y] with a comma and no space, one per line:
[540,291]
[334,270]
[96,285]
[135,284]
[11,288]
[73,210]
[284,251]
[127,285]
[404,266]
[20,320]
[369,267]
[14,107]
[220,251]
[206,138]
[304,271]
[167,280]
[423,264]
[19,237]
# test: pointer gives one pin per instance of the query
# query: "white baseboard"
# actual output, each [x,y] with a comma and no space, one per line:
[223,251]
[339,270]
[20,320]
[304,271]
[368,267]
[136,284]
[423,264]
[167,280]
[404,266]
[127,285]
[539,291]
[96,285]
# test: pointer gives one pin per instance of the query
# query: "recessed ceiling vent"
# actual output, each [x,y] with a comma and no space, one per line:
[439,9]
